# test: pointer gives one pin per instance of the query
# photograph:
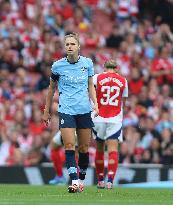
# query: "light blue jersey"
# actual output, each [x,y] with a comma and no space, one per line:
[73,85]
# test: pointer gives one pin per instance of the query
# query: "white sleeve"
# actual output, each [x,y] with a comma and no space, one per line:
[91,68]
[95,79]
[125,92]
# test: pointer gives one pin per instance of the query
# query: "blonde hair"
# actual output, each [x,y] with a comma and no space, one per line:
[110,64]
[72,35]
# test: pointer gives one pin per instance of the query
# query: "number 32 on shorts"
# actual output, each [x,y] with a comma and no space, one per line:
[108,98]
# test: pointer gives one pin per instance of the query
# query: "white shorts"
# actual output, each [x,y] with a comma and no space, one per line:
[105,131]
[57,138]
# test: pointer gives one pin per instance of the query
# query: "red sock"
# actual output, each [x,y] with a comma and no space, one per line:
[58,158]
[112,167]
[99,163]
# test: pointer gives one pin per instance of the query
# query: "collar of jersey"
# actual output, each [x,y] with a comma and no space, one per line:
[73,62]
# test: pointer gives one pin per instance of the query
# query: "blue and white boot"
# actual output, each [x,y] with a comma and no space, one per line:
[57,180]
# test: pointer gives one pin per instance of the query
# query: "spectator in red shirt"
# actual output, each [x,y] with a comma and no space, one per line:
[36,125]
[136,82]
[162,67]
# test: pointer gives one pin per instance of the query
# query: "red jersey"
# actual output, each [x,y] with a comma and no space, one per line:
[159,64]
[110,88]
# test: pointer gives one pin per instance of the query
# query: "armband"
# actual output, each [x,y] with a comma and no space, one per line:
[54,77]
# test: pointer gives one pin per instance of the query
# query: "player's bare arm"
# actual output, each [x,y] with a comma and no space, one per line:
[92,95]
[49,99]
[125,102]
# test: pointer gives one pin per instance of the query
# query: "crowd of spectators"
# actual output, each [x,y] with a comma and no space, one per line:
[31,38]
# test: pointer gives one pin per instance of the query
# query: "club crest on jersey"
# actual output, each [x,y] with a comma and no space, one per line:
[83,69]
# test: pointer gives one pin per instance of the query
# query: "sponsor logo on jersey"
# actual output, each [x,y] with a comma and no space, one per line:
[83,69]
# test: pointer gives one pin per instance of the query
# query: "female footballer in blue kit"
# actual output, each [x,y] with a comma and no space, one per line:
[73,75]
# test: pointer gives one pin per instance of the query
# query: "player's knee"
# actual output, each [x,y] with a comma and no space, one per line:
[111,161]
[69,146]
[99,161]
[83,148]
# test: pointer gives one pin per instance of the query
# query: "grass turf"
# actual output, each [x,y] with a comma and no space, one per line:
[58,195]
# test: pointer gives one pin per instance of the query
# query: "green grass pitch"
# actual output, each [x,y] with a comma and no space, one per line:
[58,195]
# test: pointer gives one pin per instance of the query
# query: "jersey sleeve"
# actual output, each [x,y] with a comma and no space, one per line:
[54,72]
[95,79]
[125,92]
[91,68]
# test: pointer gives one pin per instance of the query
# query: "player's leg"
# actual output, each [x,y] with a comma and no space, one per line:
[67,128]
[84,125]
[68,135]
[58,159]
[112,161]
[112,144]
[99,163]
[99,133]
[84,137]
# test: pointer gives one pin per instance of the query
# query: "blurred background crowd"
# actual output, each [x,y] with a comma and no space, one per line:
[137,33]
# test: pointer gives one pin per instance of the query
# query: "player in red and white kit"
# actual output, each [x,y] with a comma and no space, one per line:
[112,89]
[58,159]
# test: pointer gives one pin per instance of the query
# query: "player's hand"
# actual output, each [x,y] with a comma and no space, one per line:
[46,117]
[95,110]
